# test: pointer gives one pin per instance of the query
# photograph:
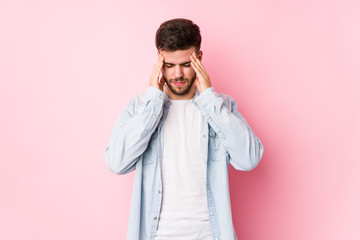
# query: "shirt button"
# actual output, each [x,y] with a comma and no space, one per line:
[210,119]
[211,213]
[153,116]
[204,136]
[155,218]
[161,96]
[159,191]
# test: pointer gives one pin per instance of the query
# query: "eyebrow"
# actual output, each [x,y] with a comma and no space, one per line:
[179,64]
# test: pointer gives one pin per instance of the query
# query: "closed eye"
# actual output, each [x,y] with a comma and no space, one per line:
[170,65]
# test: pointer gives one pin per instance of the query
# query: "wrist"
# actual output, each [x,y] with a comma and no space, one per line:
[204,88]
[155,86]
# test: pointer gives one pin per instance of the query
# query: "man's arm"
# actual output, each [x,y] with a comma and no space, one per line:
[244,147]
[132,131]
[135,125]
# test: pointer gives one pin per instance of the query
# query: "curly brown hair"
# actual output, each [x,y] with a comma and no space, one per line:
[178,34]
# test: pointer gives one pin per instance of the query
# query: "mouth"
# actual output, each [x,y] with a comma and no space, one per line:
[179,84]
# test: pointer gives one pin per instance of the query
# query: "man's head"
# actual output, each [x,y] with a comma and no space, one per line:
[178,34]
[176,40]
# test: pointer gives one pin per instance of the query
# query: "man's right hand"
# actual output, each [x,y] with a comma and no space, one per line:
[154,79]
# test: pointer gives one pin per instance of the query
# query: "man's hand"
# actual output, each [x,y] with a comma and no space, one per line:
[154,79]
[202,80]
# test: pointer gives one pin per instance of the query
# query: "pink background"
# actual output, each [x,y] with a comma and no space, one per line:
[67,68]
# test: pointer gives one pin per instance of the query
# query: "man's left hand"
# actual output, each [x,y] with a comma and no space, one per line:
[202,80]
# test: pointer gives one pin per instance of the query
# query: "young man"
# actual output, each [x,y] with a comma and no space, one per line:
[180,137]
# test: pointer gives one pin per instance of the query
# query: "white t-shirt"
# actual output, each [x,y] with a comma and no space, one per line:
[184,213]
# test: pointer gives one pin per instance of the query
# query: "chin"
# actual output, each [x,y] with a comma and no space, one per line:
[185,89]
[183,92]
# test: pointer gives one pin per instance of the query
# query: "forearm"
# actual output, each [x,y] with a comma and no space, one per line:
[132,131]
[235,134]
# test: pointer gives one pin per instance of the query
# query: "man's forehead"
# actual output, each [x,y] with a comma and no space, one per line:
[178,56]
[177,63]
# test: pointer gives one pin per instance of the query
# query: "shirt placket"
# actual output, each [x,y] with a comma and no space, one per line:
[214,222]
[158,190]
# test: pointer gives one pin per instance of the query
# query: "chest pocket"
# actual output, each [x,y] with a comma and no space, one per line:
[217,151]
[150,153]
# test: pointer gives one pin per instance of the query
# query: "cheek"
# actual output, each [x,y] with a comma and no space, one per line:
[189,72]
[167,71]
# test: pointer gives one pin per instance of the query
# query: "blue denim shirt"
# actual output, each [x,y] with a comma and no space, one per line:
[136,142]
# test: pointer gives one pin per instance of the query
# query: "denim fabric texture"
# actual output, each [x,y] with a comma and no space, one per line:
[136,144]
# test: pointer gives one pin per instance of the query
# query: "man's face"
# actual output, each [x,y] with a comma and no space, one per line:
[178,72]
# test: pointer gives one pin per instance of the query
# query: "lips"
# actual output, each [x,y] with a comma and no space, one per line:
[179,84]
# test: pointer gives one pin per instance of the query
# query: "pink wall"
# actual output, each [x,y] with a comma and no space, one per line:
[67,68]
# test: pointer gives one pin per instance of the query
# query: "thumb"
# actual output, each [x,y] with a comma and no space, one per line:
[197,82]
[161,82]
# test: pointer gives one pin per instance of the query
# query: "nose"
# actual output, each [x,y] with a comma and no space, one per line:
[178,72]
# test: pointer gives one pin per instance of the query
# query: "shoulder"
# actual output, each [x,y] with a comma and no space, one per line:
[140,101]
[135,103]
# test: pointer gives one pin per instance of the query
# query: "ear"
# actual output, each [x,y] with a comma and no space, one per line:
[200,55]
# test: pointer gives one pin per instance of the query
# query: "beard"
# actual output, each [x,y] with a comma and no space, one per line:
[175,90]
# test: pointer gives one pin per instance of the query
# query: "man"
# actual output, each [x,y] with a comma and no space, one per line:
[180,137]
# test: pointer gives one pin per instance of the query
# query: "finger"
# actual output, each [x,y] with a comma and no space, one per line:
[155,73]
[156,70]
[198,71]
[158,63]
[161,61]
[198,66]
[197,60]
[197,83]
[158,66]
[162,81]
